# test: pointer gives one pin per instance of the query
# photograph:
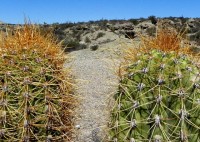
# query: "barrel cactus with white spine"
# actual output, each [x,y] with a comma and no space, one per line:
[158,100]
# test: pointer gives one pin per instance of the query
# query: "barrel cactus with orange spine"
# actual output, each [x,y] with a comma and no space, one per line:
[36,100]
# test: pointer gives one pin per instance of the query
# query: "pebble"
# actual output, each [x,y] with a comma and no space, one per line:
[78,126]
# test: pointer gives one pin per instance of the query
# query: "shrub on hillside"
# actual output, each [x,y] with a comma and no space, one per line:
[87,39]
[134,21]
[100,34]
[94,47]
[151,31]
[153,19]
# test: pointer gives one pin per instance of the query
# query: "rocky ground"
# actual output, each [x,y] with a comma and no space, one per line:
[96,77]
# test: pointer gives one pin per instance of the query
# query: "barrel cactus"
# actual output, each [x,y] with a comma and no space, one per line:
[35,91]
[158,99]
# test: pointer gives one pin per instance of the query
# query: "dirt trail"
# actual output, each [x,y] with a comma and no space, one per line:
[96,81]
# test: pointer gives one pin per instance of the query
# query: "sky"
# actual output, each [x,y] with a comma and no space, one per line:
[61,11]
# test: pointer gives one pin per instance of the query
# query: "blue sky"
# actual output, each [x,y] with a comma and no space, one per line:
[51,11]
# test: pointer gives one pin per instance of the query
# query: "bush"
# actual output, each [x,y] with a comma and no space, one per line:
[151,31]
[87,39]
[103,24]
[153,19]
[83,46]
[100,34]
[134,21]
[195,37]
[183,20]
[72,43]
[195,49]
[77,34]
[59,34]
[141,19]
[94,47]
[64,26]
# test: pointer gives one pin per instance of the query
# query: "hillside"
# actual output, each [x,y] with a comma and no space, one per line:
[76,36]
[95,33]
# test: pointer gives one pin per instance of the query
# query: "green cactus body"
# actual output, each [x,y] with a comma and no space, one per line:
[33,97]
[158,100]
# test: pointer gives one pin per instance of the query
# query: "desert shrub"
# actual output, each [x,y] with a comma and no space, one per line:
[103,24]
[94,47]
[171,18]
[195,37]
[112,28]
[134,21]
[66,25]
[77,34]
[72,43]
[153,19]
[141,19]
[91,22]
[183,19]
[87,39]
[2,29]
[82,46]
[195,49]
[59,34]
[100,34]
[151,31]
[193,29]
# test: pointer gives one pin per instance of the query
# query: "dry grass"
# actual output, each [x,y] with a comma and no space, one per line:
[29,38]
[167,39]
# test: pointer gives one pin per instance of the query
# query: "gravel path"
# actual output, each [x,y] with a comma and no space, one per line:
[96,82]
